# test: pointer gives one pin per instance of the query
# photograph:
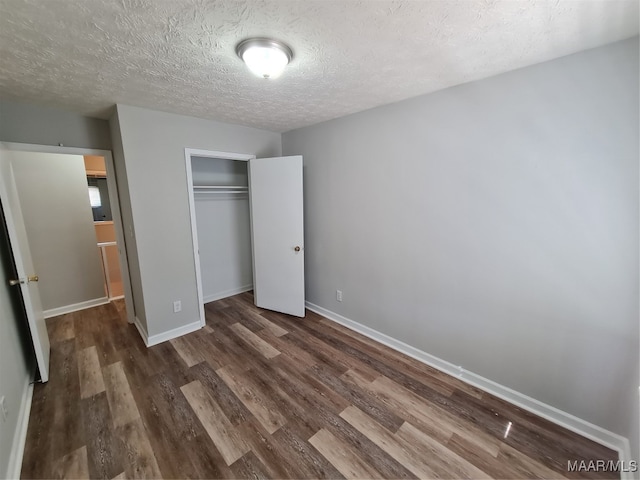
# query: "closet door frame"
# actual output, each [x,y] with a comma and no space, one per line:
[214,155]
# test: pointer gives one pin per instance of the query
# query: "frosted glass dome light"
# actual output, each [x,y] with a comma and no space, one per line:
[265,57]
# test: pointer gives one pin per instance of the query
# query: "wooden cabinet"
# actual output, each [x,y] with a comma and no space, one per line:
[94,165]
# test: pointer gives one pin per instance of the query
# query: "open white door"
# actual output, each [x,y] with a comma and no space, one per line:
[27,279]
[277,233]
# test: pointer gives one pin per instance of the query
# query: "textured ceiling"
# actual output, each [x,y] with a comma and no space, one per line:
[178,55]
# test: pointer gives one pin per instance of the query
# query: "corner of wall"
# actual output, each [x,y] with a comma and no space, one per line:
[20,434]
[141,330]
[126,211]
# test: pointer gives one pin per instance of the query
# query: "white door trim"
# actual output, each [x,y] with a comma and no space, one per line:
[114,200]
[188,153]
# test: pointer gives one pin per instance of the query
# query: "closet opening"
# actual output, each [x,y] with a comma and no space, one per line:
[247,228]
[220,223]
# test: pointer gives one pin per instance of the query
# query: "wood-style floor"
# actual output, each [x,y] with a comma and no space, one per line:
[257,394]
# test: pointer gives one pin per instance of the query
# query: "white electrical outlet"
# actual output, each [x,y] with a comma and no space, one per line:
[3,408]
[339,295]
[177,306]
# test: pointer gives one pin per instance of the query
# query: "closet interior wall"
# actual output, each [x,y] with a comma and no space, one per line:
[224,231]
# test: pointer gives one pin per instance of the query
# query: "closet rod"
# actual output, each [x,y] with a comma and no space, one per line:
[220,187]
[203,192]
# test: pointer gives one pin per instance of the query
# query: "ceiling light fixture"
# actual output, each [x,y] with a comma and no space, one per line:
[265,57]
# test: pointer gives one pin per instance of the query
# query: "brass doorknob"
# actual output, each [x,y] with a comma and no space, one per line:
[18,281]
[297,249]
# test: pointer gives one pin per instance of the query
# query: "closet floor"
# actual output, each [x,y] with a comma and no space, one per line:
[256,394]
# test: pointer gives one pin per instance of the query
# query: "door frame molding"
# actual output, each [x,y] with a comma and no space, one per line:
[114,200]
[188,153]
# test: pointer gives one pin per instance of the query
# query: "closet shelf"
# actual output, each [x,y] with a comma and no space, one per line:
[220,189]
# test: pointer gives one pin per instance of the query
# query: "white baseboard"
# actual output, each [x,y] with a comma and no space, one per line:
[141,330]
[74,307]
[227,293]
[152,340]
[555,415]
[20,437]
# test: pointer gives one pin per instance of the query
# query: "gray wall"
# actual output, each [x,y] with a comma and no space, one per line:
[224,240]
[16,359]
[128,228]
[25,123]
[633,408]
[102,213]
[153,146]
[57,215]
[494,225]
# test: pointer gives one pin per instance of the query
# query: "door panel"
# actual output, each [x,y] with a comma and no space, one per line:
[277,233]
[22,256]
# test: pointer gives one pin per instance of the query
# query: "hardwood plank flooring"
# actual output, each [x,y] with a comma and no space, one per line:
[255,341]
[104,448]
[225,436]
[257,394]
[343,456]
[123,406]
[139,459]
[91,381]
[72,465]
